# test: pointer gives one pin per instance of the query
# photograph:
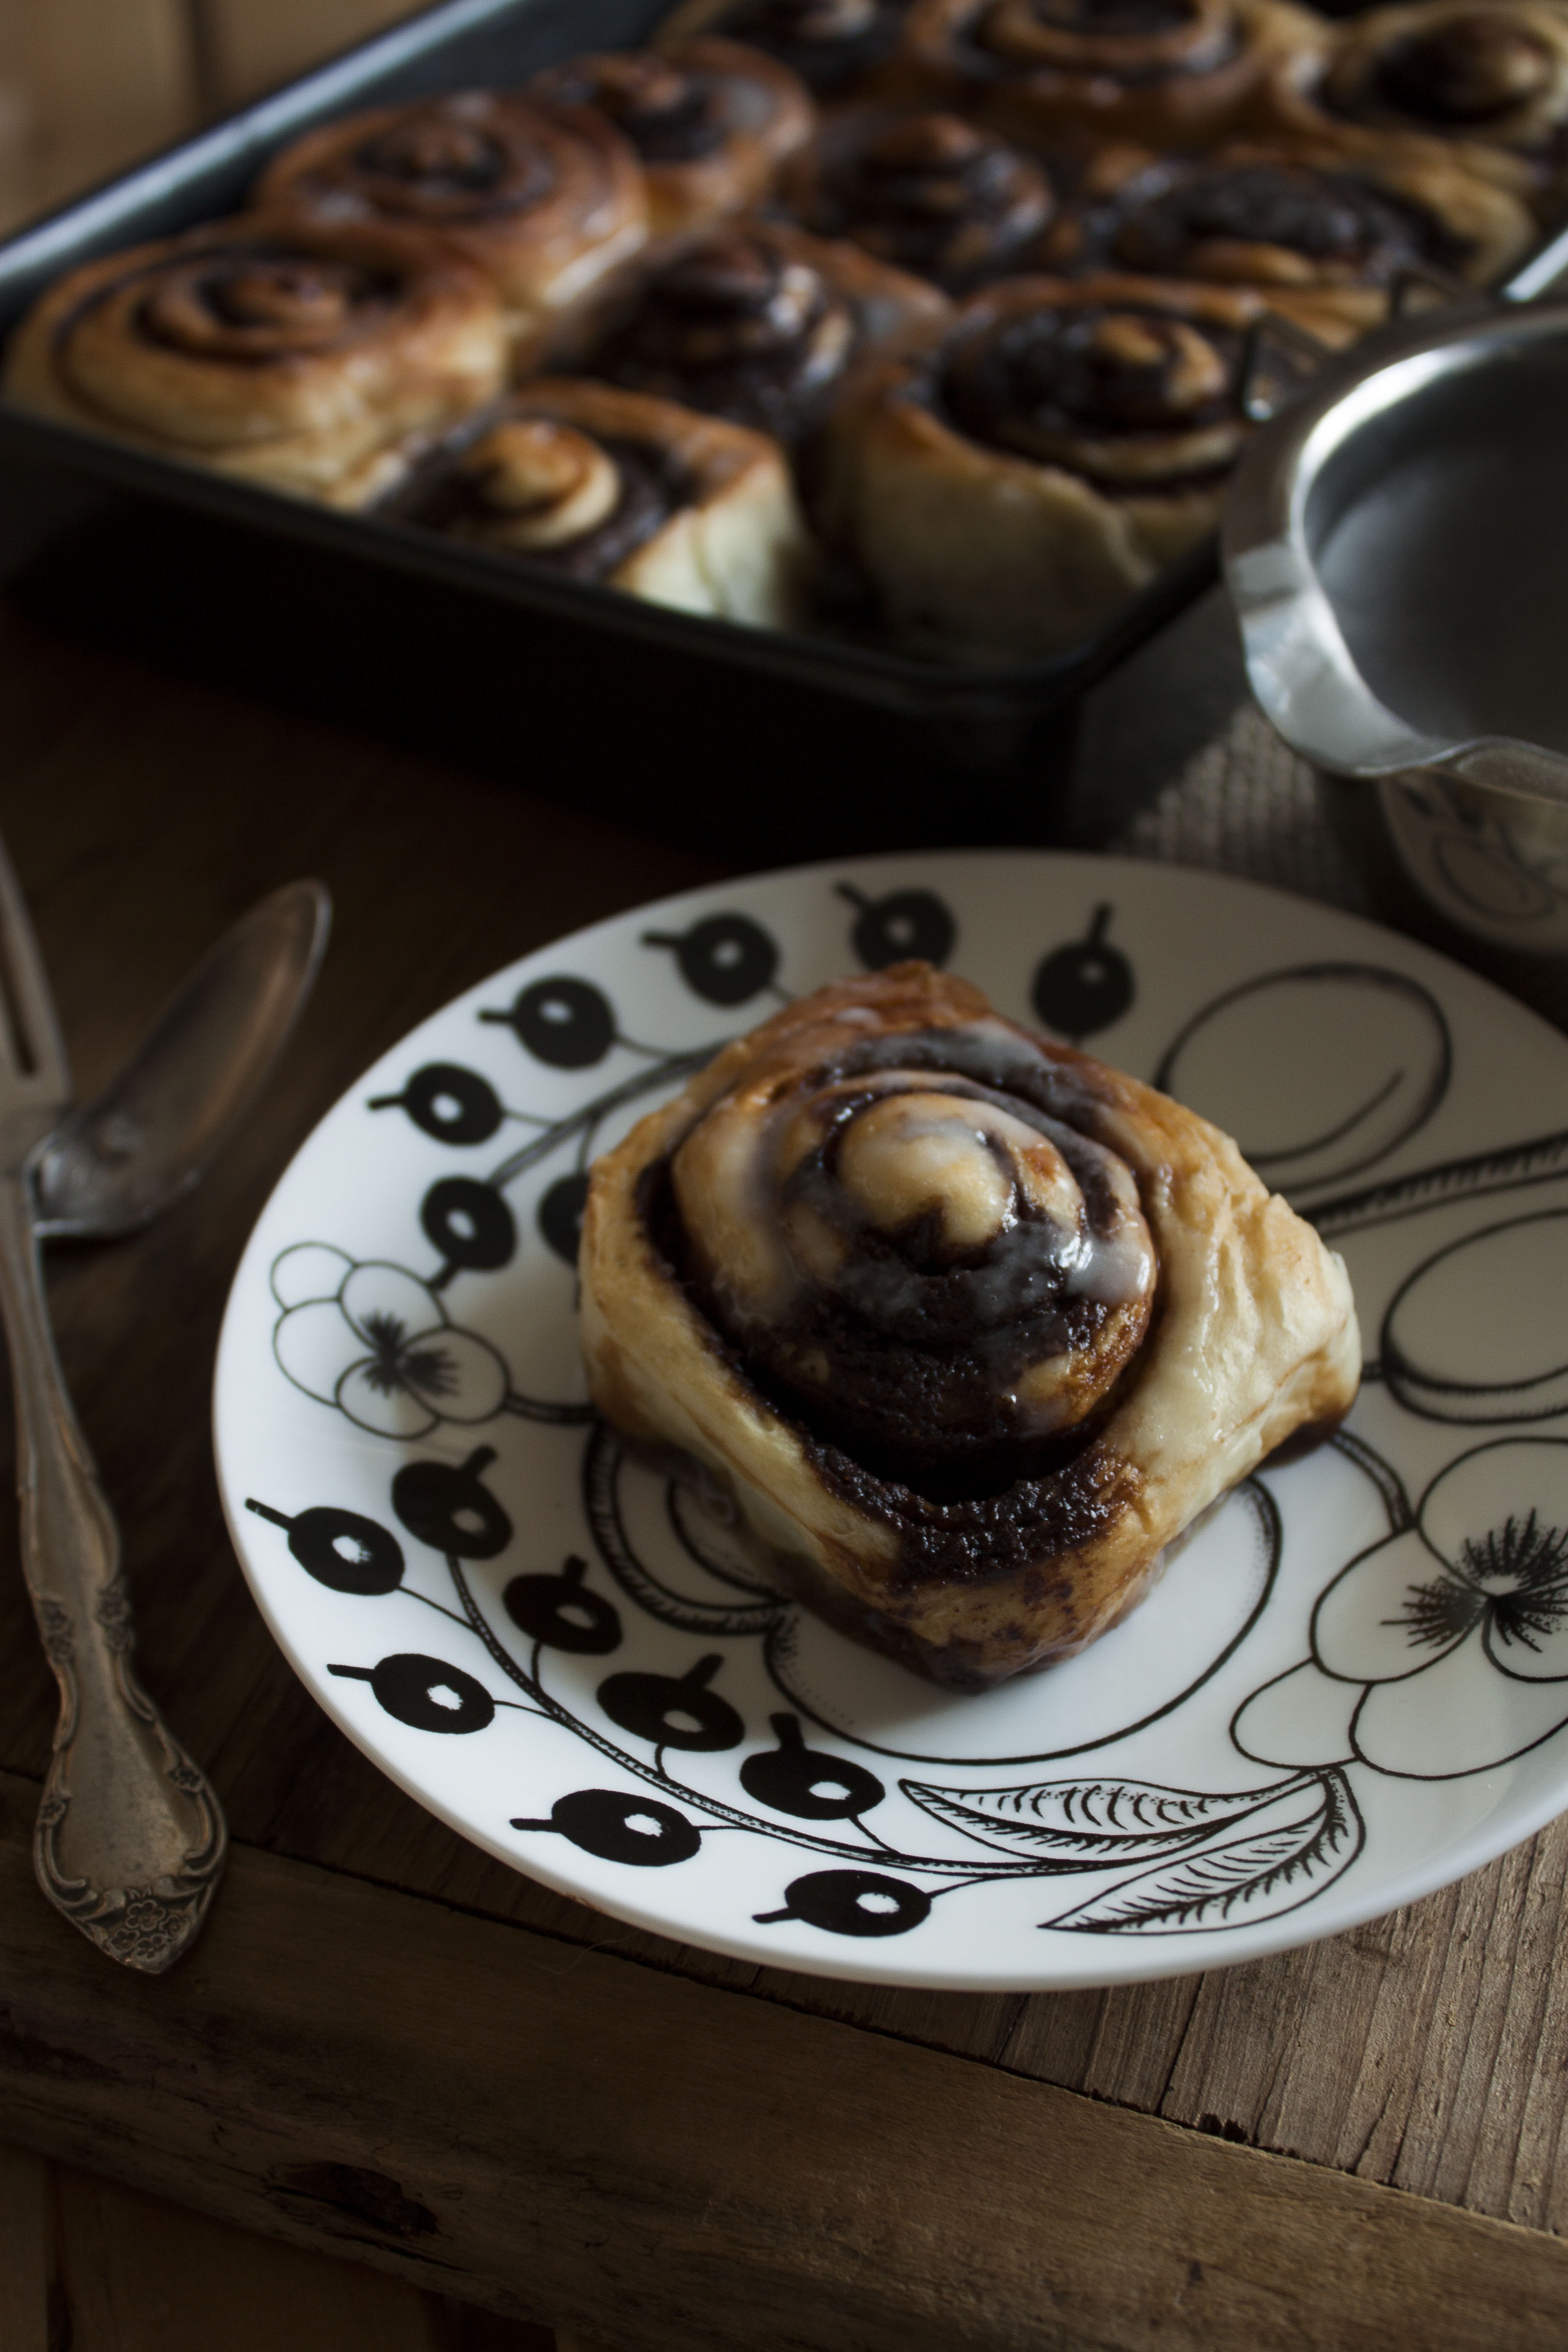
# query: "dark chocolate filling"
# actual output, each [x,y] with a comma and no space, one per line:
[737,331]
[1325,217]
[247,305]
[1049,378]
[935,195]
[984,53]
[828,43]
[1465,70]
[653,487]
[437,165]
[671,114]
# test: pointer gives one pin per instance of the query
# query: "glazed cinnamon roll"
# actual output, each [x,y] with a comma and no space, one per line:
[611,486]
[710,121]
[546,199]
[1490,81]
[317,360]
[1324,237]
[928,191]
[1006,489]
[970,1326]
[839,48]
[1166,73]
[760,323]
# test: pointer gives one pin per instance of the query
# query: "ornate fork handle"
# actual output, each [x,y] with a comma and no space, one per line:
[130,1840]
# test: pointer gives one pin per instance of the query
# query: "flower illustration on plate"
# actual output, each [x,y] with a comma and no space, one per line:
[1443,1649]
[375,1341]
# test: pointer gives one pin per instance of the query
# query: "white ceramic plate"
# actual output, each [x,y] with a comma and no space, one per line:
[1350,1688]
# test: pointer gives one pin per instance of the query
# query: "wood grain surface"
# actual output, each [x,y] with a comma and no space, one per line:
[316,2023]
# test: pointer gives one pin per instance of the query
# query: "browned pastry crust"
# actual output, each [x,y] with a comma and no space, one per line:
[546,199]
[1166,73]
[314,359]
[1323,236]
[1489,78]
[923,190]
[616,486]
[971,1327]
[760,322]
[1006,489]
[712,122]
[839,48]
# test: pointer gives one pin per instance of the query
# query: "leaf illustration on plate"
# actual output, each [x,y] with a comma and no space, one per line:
[1287,1852]
[1085,1822]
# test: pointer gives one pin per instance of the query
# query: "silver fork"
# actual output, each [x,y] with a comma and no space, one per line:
[130,1840]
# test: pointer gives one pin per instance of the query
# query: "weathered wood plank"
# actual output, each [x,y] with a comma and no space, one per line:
[24,2251]
[677,2165]
[85,85]
[250,46]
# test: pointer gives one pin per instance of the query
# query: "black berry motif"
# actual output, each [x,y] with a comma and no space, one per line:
[340,1548]
[807,1781]
[1086,985]
[674,1711]
[448,1507]
[903,924]
[561,1214]
[852,1903]
[425,1693]
[454,1105]
[560,1611]
[469,1223]
[724,958]
[620,1828]
[568,1023]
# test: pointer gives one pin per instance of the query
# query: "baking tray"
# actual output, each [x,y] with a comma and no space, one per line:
[191,565]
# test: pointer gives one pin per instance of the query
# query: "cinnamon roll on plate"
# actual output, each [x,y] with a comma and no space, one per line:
[1323,235]
[1166,73]
[315,359]
[760,322]
[546,199]
[710,121]
[971,1327]
[839,48]
[925,191]
[1489,81]
[1008,487]
[600,484]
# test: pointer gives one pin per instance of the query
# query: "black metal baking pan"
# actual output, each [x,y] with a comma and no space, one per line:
[460,45]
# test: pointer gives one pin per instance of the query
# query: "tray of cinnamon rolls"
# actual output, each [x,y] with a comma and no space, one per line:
[903,347]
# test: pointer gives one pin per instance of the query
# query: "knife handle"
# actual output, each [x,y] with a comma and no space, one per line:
[131,1841]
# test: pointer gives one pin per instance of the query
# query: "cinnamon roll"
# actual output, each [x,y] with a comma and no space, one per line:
[546,199]
[1490,81]
[970,1326]
[1166,73]
[760,323]
[315,359]
[1007,488]
[710,121]
[839,48]
[1324,237]
[611,486]
[927,192]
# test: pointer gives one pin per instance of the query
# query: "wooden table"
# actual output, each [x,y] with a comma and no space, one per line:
[387,2045]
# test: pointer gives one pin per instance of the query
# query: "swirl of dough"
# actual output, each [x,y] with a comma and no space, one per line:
[927,192]
[970,1326]
[545,199]
[759,324]
[305,356]
[834,46]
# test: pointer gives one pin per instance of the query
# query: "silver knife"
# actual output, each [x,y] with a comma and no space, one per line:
[131,1839]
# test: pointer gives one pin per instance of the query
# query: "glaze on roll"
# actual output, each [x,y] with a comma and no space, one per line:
[1007,488]
[546,199]
[1163,72]
[971,1326]
[615,486]
[760,323]
[925,191]
[712,122]
[1324,237]
[314,359]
